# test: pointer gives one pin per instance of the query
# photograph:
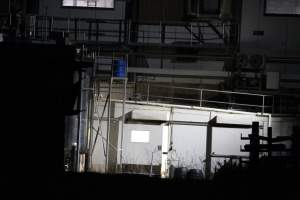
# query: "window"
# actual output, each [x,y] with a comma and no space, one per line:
[282,7]
[203,7]
[140,136]
[89,3]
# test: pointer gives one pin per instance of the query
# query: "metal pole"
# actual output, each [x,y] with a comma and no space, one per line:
[108,124]
[280,109]
[148,91]
[273,106]
[52,23]
[123,117]
[34,27]
[191,34]
[151,164]
[120,31]
[160,32]
[46,24]
[129,31]
[75,29]
[269,142]
[201,93]
[9,10]
[68,25]
[223,30]
[91,123]
[79,32]
[79,125]
[263,105]
[122,126]
[254,143]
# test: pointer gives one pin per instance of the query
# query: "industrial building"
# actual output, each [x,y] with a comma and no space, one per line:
[168,89]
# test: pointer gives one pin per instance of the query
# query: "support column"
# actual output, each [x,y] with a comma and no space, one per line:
[209,147]
[113,141]
[254,143]
[270,142]
[165,149]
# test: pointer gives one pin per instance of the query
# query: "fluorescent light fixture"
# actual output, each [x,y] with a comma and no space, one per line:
[140,136]
[89,3]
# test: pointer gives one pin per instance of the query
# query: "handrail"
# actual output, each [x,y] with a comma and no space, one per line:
[146,22]
[218,91]
[150,97]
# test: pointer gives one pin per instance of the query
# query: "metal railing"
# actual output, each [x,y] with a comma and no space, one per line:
[127,31]
[213,98]
[240,101]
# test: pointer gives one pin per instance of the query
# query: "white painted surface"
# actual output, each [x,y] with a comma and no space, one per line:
[189,142]
[165,149]
[140,153]
[189,146]
[148,115]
